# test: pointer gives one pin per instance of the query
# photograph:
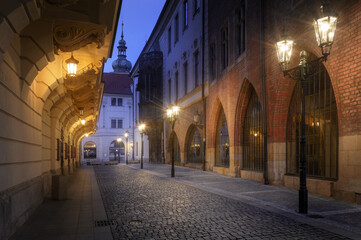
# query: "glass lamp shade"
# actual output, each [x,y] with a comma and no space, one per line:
[175,110]
[126,134]
[169,113]
[82,122]
[284,53]
[72,64]
[325,28]
[141,127]
[119,139]
[86,135]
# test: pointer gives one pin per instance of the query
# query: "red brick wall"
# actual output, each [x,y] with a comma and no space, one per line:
[343,65]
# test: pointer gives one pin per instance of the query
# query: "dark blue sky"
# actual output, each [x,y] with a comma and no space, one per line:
[139,17]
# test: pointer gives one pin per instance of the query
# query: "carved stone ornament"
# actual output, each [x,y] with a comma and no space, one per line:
[71,36]
[86,79]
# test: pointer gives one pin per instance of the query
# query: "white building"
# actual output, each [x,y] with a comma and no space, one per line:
[109,143]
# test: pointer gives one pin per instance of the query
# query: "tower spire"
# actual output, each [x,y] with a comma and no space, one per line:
[122,64]
[122,31]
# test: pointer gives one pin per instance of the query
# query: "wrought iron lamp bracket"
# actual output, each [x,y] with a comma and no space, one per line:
[304,70]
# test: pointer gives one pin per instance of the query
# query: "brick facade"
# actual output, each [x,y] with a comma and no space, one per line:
[230,88]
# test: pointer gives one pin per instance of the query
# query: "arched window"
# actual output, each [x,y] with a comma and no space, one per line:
[321,128]
[175,146]
[222,141]
[90,150]
[195,149]
[116,150]
[253,135]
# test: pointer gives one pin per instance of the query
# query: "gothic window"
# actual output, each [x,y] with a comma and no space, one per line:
[195,150]
[253,140]
[185,15]
[185,68]
[212,60]
[240,29]
[176,28]
[321,130]
[196,69]
[224,46]
[196,6]
[169,39]
[222,141]
[169,91]
[176,86]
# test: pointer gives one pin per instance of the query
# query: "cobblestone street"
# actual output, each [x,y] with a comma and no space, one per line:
[146,206]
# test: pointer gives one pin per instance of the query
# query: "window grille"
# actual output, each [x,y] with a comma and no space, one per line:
[253,138]
[222,141]
[321,128]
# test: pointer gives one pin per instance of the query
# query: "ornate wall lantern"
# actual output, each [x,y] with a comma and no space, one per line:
[325,28]
[72,64]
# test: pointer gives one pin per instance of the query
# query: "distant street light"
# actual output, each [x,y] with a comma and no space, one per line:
[126,135]
[325,28]
[172,115]
[141,129]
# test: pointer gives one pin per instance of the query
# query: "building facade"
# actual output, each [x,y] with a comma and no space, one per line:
[115,119]
[245,113]
[109,142]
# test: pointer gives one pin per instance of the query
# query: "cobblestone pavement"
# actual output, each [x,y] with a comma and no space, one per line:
[146,206]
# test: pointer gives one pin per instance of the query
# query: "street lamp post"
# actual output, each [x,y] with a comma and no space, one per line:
[141,129]
[325,28]
[118,152]
[126,135]
[172,115]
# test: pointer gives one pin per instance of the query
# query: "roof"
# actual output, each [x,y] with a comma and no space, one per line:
[117,83]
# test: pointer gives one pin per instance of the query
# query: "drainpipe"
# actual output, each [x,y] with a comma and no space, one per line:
[264,89]
[203,97]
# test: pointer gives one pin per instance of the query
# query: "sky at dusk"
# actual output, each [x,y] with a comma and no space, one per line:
[139,17]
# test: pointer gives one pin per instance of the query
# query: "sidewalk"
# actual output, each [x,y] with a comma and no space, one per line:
[326,213]
[80,216]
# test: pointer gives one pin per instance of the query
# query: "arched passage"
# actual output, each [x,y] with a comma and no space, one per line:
[116,151]
[90,150]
